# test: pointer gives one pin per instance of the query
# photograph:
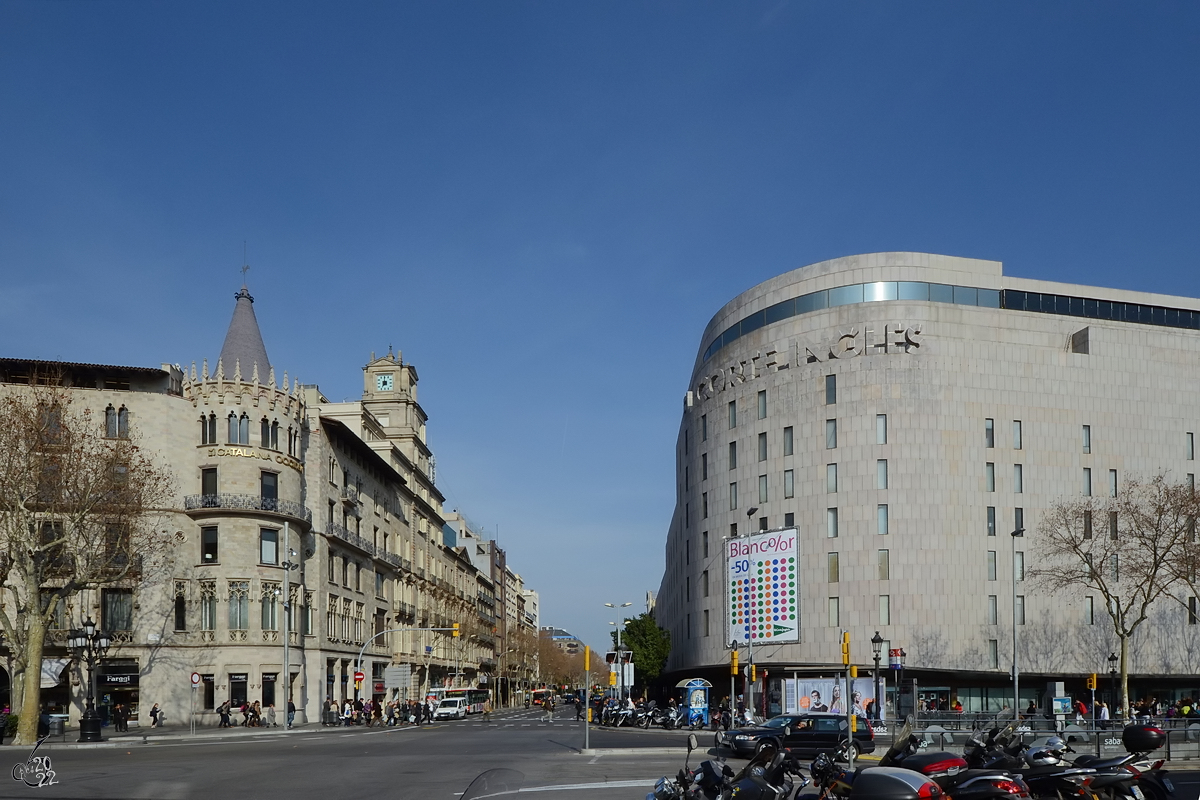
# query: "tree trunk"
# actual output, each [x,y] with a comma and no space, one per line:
[30,713]
[1125,678]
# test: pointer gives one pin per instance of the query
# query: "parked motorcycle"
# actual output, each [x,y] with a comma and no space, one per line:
[1042,768]
[876,783]
[951,772]
[770,775]
[1150,780]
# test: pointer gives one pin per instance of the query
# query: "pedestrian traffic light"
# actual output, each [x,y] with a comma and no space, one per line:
[454,632]
[846,648]
[733,663]
[753,674]
[1091,681]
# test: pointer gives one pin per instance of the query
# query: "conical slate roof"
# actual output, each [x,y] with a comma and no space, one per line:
[243,343]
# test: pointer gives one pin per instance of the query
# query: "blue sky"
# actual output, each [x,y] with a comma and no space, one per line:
[542,204]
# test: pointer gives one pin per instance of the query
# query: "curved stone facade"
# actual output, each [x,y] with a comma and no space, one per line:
[853,399]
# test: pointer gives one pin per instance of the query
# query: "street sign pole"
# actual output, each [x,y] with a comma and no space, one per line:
[587,698]
[192,716]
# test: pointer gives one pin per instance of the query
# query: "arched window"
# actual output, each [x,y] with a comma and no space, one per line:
[274,435]
[208,429]
[123,423]
[110,422]
[233,428]
[266,432]
[244,430]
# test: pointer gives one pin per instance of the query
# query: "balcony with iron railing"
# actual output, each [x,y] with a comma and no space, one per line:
[203,504]
[349,537]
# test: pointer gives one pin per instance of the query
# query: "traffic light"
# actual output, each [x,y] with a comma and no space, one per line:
[455,632]
[612,679]
[587,659]
[846,648]
[753,674]
[1091,681]
[733,663]
[853,671]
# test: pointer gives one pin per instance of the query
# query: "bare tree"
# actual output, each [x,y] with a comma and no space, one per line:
[1123,548]
[77,502]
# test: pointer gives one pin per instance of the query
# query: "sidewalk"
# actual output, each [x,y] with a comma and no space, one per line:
[180,734]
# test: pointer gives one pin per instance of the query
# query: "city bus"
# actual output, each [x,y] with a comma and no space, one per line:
[476,698]
[542,696]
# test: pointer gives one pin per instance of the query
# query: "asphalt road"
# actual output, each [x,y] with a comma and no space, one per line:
[434,762]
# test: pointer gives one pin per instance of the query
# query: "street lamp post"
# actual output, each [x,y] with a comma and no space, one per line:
[1019,532]
[288,565]
[619,624]
[1112,671]
[89,645]
[900,687]
[876,646]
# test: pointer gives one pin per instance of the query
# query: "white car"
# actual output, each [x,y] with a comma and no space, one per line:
[451,708]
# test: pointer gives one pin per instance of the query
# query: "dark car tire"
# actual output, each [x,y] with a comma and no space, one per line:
[764,744]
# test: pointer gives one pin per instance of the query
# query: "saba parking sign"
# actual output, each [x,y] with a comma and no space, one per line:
[763,587]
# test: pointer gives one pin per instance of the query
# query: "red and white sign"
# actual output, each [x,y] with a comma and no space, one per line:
[195,679]
[894,658]
[358,676]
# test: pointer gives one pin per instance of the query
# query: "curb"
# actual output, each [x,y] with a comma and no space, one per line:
[633,751]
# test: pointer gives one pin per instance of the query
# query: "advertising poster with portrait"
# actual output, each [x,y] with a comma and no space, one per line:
[763,589]
[828,695]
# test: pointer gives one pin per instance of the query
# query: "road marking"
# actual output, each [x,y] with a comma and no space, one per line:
[594,759]
[602,785]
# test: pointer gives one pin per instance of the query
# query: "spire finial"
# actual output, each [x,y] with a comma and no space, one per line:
[245,269]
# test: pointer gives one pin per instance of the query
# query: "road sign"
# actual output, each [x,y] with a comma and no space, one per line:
[195,679]
[359,676]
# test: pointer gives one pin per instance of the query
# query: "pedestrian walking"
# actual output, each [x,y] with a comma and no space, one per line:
[487,711]
[578,708]
[155,713]
[547,711]
[271,716]
[291,714]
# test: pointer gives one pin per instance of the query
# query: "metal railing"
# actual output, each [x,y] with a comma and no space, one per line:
[1089,736]
[247,502]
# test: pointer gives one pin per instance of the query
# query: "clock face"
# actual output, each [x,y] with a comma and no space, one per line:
[384,383]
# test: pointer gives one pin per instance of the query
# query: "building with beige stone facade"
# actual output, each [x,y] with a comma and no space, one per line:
[905,412]
[299,523]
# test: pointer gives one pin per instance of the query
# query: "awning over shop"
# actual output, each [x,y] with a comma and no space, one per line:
[52,671]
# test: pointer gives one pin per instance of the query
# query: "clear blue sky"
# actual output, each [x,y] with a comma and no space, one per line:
[542,204]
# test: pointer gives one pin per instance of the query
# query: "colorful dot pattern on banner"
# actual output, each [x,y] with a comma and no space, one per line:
[764,602]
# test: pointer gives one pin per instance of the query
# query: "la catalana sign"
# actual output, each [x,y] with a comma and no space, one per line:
[840,344]
[248,452]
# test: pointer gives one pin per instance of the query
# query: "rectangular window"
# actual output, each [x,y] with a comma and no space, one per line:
[269,485]
[208,606]
[1191,482]
[1087,481]
[989,433]
[1087,523]
[1018,478]
[1089,610]
[704,543]
[881,429]
[834,617]
[704,582]
[1112,525]
[885,609]
[1191,447]
[762,488]
[884,560]
[379,588]
[208,546]
[687,591]
[1017,434]
[704,504]
[180,612]
[881,475]
[210,694]
[1114,567]
[832,573]
[830,434]
[762,404]
[991,520]
[270,607]
[704,427]
[1019,565]
[762,447]
[706,626]
[306,617]
[993,616]
[733,496]
[268,546]
[993,654]
[989,477]
[1018,519]
[789,519]
[787,441]
[830,390]
[689,626]
[831,523]
[239,605]
[991,565]
[733,455]
[208,482]
[1020,610]
[704,466]
[732,414]
[789,484]
[1087,438]
[831,478]
[881,519]
[1112,483]
[1192,610]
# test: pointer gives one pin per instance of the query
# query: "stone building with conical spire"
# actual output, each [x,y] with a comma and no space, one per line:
[301,529]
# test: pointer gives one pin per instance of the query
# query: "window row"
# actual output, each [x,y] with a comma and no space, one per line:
[269,601]
[238,428]
[352,572]
[883,566]
[210,545]
[882,521]
[834,611]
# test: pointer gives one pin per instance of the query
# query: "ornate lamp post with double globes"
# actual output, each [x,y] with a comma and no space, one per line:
[876,646]
[89,645]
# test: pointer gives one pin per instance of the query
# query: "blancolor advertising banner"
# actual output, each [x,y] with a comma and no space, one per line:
[763,592]
[821,695]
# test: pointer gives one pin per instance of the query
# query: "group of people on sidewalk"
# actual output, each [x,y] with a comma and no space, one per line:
[373,712]
[253,715]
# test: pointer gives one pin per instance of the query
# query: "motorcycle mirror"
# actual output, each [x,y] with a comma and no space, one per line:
[693,742]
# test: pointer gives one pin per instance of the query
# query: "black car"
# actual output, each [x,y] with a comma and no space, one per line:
[809,734]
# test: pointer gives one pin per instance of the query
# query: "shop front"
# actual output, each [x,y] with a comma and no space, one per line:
[118,683]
